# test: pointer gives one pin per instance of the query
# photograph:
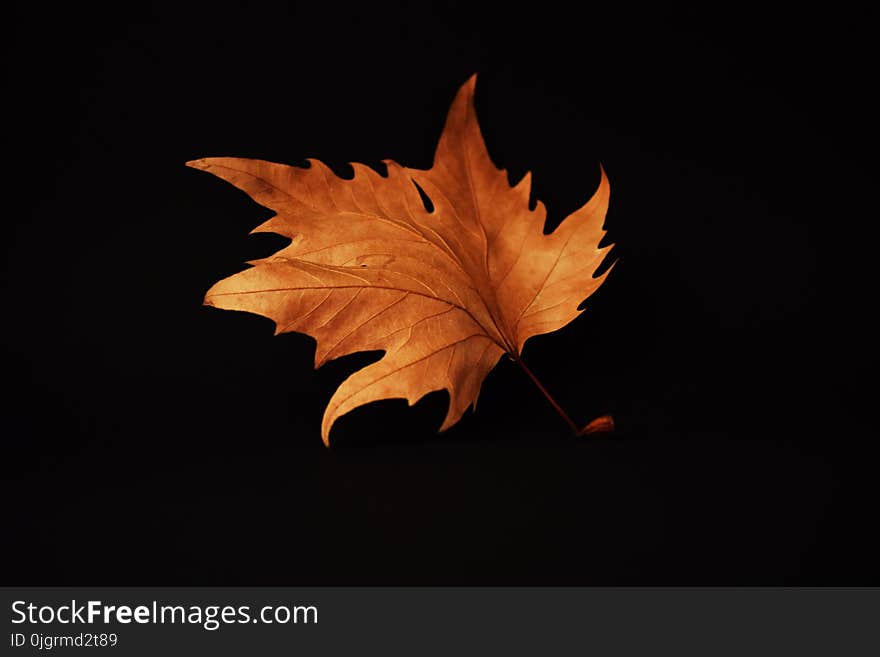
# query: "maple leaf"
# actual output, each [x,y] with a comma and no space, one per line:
[444,289]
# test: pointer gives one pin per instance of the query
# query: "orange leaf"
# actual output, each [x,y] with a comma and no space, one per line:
[444,293]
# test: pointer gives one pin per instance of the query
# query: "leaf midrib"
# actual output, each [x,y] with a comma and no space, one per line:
[367,287]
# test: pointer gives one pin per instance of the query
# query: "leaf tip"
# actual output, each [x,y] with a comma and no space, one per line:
[202,164]
[604,274]
[468,89]
[326,425]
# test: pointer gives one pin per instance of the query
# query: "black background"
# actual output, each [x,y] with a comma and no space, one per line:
[151,440]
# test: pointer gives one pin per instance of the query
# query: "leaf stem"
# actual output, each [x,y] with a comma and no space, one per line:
[600,424]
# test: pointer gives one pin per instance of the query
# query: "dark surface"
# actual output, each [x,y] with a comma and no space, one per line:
[148,439]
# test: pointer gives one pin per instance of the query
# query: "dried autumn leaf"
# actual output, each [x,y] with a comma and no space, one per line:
[443,292]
